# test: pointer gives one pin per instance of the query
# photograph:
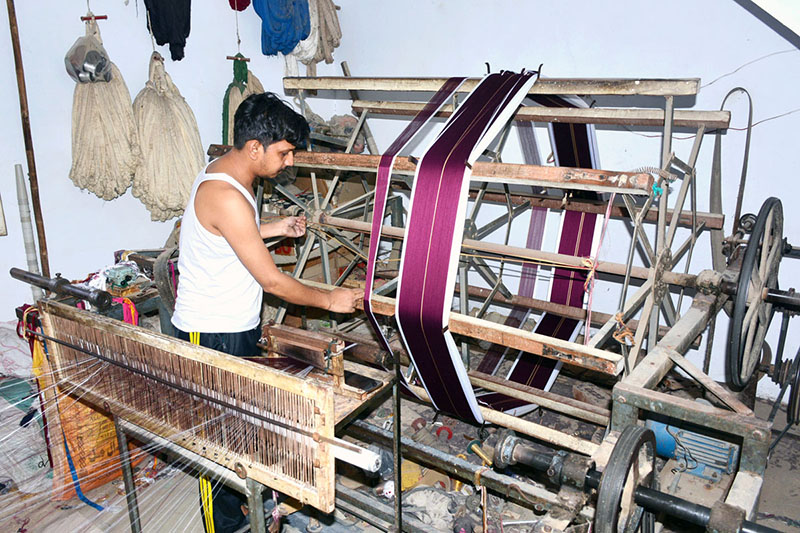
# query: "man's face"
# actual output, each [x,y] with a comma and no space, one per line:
[275,158]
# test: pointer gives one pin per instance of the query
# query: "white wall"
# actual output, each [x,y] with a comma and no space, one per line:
[571,38]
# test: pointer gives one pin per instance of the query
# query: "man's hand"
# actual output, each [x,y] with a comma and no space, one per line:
[344,300]
[294,226]
[284,227]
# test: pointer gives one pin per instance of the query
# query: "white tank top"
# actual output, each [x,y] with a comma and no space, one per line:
[216,293]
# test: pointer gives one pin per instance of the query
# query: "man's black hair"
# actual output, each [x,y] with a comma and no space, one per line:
[268,119]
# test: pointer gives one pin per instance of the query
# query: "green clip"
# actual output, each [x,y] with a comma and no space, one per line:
[657,191]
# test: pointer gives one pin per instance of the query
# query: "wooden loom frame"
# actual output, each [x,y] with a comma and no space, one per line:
[633,395]
[320,496]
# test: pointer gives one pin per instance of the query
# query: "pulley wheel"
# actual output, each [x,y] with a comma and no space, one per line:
[751,314]
[793,408]
[631,465]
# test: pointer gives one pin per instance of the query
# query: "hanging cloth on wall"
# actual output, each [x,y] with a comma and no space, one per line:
[239,5]
[574,145]
[325,35]
[433,239]
[171,148]
[105,146]
[243,85]
[170,21]
[284,24]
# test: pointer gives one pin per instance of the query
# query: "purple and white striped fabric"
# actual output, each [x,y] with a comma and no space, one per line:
[574,145]
[382,182]
[434,236]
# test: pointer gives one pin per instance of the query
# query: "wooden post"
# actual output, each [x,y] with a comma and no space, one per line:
[26,133]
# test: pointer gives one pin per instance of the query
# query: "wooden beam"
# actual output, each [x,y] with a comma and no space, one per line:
[576,313]
[555,86]
[517,252]
[367,350]
[595,115]
[711,220]
[560,177]
[568,352]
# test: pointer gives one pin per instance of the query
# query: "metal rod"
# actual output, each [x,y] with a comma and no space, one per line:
[651,499]
[397,448]
[518,491]
[62,286]
[28,138]
[127,477]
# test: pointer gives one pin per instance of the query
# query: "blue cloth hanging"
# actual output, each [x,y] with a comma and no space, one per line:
[284,23]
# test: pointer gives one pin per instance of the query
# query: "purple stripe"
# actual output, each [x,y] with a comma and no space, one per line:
[496,352]
[572,148]
[424,294]
[382,182]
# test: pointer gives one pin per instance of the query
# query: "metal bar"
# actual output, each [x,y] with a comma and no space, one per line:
[346,206]
[630,307]
[554,86]
[594,115]
[127,477]
[488,275]
[298,270]
[369,508]
[518,491]
[371,144]
[499,222]
[350,144]
[198,462]
[397,447]
[24,113]
[542,176]
[463,305]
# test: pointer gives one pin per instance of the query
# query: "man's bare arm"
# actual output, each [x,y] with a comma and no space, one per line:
[284,227]
[233,219]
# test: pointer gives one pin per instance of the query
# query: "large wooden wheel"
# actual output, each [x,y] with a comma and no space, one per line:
[751,314]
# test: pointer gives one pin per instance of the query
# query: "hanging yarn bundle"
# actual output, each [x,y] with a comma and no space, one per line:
[325,35]
[330,33]
[243,85]
[171,147]
[105,147]
[284,24]
[170,21]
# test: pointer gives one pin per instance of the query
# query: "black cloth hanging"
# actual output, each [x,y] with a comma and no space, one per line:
[169,21]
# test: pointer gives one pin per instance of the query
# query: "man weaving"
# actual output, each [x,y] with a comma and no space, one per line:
[224,265]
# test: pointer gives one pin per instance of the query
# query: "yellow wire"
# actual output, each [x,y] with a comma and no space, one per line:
[206,498]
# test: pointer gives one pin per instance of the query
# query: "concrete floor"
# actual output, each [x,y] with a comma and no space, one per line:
[170,504]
